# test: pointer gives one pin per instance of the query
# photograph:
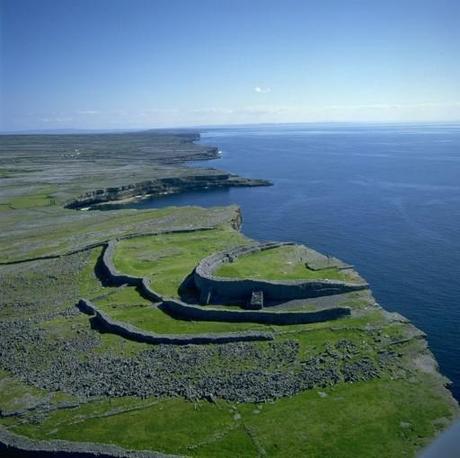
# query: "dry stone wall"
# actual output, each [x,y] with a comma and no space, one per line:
[185,311]
[181,310]
[220,290]
[104,322]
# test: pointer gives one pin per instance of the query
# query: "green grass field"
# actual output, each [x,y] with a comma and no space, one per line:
[33,198]
[37,229]
[331,422]
[126,305]
[282,263]
[61,378]
[168,258]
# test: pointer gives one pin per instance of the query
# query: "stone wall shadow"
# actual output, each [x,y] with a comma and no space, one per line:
[188,292]
[100,270]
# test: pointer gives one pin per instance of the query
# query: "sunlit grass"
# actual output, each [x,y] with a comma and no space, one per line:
[281,263]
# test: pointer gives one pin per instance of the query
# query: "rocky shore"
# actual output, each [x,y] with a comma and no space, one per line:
[164,186]
[70,388]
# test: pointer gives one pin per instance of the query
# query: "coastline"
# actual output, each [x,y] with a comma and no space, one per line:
[54,215]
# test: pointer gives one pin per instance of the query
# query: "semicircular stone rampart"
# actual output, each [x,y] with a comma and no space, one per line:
[181,310]
[220,289]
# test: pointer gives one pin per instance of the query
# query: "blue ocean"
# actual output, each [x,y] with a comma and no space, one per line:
[385,198]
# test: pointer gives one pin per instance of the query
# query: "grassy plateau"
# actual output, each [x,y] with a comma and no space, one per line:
[361,386]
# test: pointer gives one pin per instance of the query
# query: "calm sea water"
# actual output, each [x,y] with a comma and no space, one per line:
[384,198]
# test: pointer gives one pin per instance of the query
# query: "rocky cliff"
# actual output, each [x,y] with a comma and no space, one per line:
[160,187]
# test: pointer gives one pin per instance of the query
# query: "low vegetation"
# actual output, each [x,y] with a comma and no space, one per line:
[281,263]
[317,423]
[127,306]
[361,386]
[167,259]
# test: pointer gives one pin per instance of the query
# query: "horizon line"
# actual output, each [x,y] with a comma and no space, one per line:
[102,130]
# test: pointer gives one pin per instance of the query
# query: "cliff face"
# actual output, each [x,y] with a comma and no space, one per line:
[237,220]
[371,366]
[164,186]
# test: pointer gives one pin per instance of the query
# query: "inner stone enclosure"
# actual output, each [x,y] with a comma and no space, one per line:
[267,274]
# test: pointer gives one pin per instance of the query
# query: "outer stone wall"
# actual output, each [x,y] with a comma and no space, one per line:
[192,312]
[179,309]
[105,323]
[114,278]
[111,274]
[221,290]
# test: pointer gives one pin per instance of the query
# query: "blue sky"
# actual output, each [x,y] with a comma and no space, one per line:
[157,63]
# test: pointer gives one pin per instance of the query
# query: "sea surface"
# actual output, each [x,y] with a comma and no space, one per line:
[383,198]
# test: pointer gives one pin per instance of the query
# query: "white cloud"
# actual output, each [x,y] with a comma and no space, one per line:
[88,112]
[262,90]
[147,117]
[260,110]
[212,111]
[58,119]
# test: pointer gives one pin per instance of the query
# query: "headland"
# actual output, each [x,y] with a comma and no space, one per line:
[169,333]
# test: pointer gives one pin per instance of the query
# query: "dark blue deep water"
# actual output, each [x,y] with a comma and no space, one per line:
[384,198]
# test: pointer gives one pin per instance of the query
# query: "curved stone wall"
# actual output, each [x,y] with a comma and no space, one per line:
[111,273]
[114,278]
[220,289]
[13,445]
[181,310]
[185,311]
[105,323]
[103,243]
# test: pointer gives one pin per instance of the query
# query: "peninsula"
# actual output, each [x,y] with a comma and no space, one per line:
[168,332]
